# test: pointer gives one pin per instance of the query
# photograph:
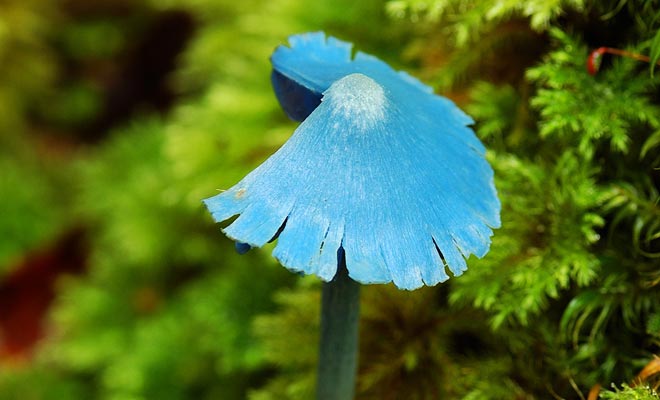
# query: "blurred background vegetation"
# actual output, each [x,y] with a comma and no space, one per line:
[118,116]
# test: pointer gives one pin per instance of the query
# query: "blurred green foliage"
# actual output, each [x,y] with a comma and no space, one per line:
[628,393]
[567,298]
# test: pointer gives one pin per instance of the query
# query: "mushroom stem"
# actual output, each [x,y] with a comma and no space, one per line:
[340,314]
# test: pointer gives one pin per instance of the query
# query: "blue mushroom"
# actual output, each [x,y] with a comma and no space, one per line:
[381,171]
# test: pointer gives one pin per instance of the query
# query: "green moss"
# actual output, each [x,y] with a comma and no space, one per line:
[630,393]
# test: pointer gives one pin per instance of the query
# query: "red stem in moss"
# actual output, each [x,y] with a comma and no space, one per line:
[594,59]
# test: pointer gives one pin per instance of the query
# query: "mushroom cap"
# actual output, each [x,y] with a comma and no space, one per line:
[381,169]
